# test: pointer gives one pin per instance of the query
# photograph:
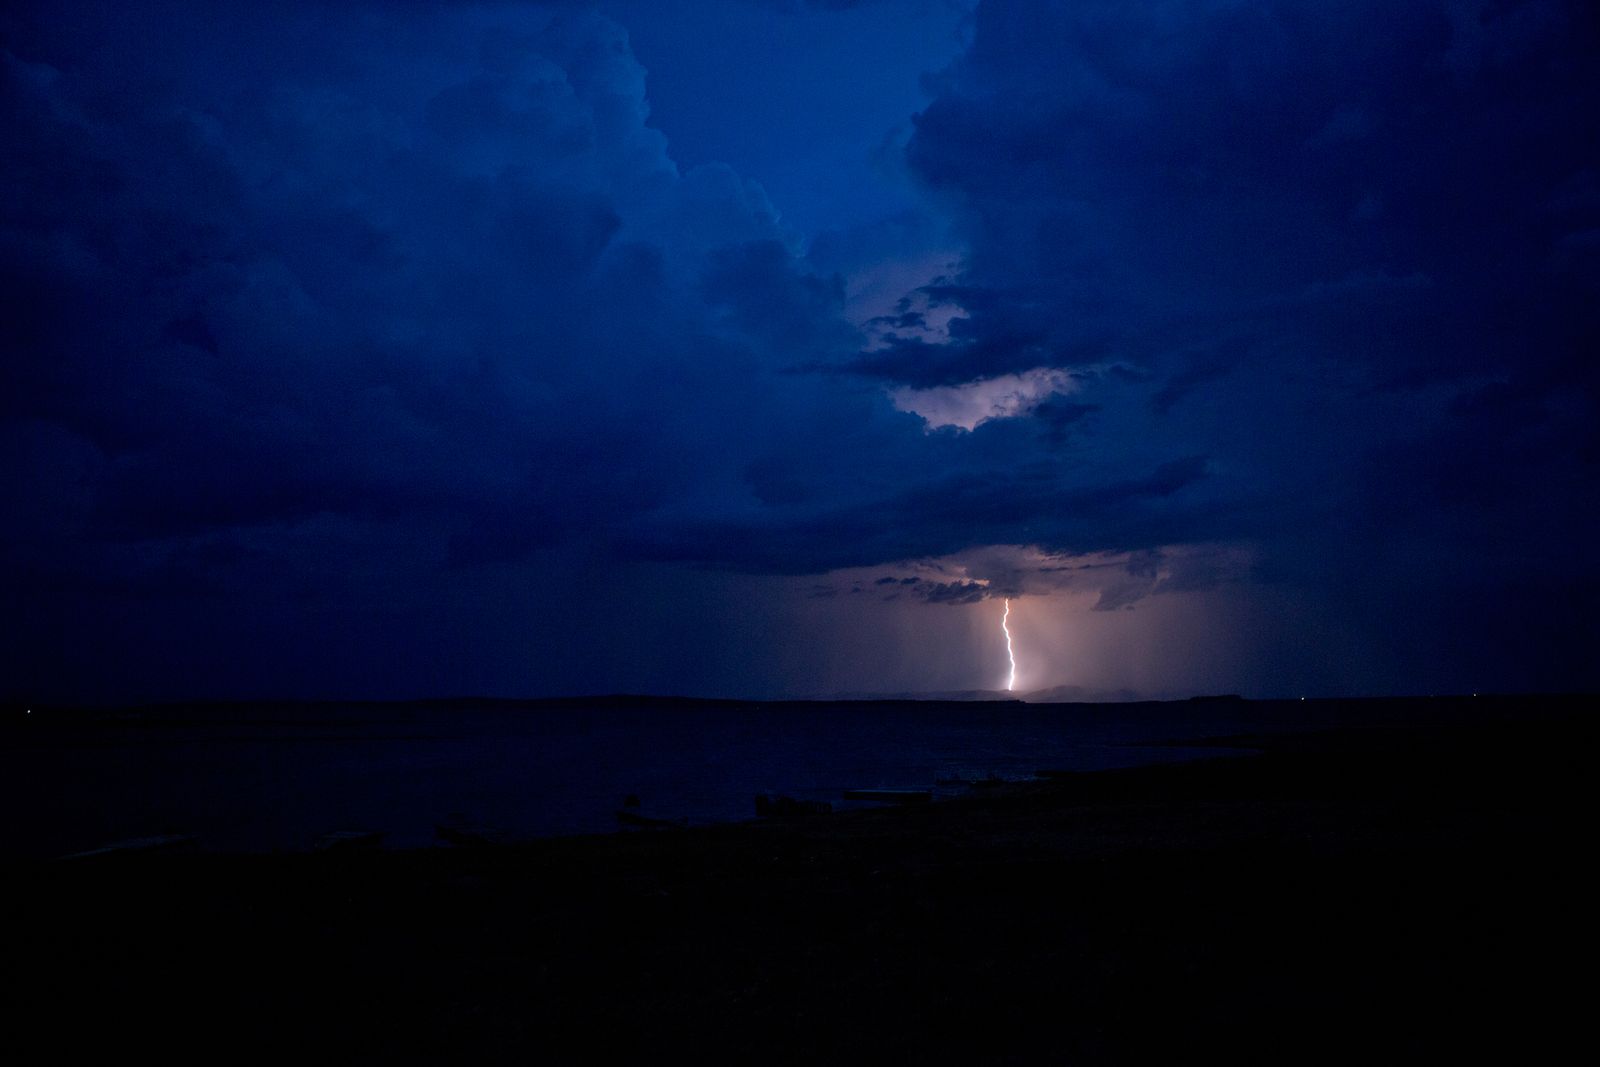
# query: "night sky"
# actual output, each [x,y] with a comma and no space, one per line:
[765,347]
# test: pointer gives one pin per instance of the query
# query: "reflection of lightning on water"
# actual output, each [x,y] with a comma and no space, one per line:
[1011,683]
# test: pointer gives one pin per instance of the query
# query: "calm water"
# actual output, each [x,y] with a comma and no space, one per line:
[264,778]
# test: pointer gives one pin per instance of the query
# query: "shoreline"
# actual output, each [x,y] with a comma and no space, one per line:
[273,781]
[1381,896]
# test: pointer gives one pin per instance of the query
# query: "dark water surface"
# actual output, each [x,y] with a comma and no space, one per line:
[265,777]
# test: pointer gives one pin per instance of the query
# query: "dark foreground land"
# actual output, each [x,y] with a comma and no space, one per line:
[1379,895]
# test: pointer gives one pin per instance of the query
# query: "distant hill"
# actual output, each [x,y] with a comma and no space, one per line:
[1078,694]
[1060,694]
[954,694]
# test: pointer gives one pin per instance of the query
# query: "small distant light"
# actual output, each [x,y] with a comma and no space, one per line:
[1302,698]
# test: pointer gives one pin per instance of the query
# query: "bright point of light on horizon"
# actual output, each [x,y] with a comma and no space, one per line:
[1011,683]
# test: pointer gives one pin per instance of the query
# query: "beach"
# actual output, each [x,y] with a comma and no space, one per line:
[1385,894]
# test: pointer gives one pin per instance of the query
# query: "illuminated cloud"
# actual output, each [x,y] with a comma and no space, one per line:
[968,406]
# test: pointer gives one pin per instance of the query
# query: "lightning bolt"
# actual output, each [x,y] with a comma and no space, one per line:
[1011,683]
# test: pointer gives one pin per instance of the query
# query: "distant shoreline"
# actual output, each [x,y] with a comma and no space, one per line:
[1373,886]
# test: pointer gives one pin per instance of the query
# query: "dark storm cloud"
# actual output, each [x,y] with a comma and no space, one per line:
[958,592]
[426,269]
[395,263]
[1034,505]
[417,268]
[1386,185]
[321,300]
[1345,246]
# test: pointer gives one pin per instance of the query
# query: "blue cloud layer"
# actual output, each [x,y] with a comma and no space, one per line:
[327,299]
